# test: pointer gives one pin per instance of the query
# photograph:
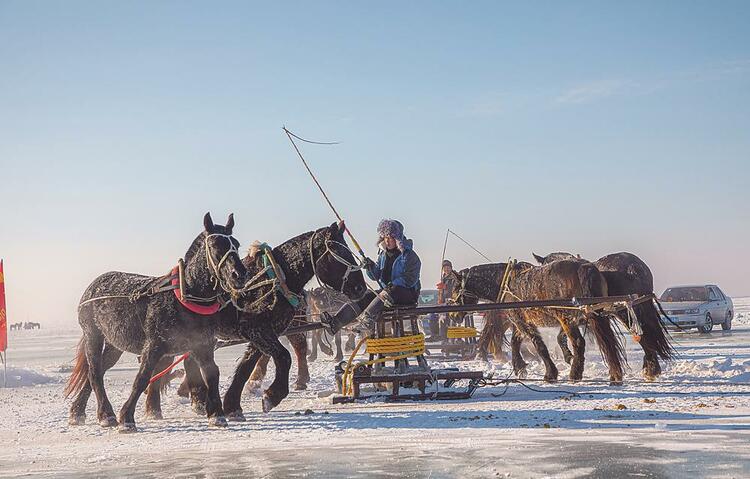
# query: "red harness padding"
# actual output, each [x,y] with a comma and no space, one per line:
[171,366]
[203,310]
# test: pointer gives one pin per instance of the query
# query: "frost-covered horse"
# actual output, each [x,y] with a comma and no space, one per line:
[321,253]
[626,274]
[561,279]
[143,315]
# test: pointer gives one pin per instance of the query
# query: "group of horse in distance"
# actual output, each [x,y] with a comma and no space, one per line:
[121,312]
[24,325]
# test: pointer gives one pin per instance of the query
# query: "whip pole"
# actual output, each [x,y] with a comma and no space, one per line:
[289,135]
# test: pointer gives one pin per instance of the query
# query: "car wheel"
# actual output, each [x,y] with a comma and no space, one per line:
[727,324]
[708,325]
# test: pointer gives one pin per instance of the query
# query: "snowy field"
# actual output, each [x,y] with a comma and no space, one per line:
[693,422]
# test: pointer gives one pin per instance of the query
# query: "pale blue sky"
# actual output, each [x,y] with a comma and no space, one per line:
[591,127]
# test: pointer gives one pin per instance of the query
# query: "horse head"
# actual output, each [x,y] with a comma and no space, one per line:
[212,263]
[334,264]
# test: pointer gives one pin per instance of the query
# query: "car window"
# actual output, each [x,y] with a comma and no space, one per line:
[711,295]
[718,293]
[690,293]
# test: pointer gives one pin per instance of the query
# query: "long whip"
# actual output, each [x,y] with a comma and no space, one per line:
[289,135]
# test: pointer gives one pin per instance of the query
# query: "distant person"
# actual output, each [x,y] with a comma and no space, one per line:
[446,286]
[396,271]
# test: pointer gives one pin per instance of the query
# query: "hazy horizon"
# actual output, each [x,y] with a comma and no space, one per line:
[585,127]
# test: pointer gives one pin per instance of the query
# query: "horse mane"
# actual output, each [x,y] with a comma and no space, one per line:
[195,247]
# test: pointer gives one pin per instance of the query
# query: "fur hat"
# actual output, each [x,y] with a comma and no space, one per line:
[394,229]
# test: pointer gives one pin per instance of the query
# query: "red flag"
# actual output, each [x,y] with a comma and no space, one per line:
[3,322]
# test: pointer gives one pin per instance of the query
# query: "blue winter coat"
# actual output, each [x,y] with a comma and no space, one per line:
[406,268]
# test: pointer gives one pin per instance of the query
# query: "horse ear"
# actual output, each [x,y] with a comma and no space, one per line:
[578,256]
[208,223]
[538,258]
[230,223]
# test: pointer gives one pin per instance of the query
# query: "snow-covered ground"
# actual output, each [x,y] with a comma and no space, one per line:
[693,422]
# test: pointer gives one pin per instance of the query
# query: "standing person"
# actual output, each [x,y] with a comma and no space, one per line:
[446,286]
[397,273]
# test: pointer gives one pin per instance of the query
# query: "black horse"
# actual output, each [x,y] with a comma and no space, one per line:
[321,253]
[130,312]
[626,274]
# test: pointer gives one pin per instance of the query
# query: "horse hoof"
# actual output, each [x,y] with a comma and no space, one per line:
[300,386]
[109,421]
[615,382]
[154,415]
[550,379]
[568,359]
[521,373]
[127,428]
[217,421]
[236,416]
[268,404]
[77,420]
[338,359]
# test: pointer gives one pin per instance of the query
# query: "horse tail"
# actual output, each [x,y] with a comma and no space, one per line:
[610,344]
[80,373]
[655,336]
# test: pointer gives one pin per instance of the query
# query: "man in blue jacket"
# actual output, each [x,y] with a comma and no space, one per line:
[396,271]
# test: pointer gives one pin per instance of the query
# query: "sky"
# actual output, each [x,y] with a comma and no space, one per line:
[589,127]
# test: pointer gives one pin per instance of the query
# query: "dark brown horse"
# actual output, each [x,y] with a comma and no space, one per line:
[558,280]
[628,274]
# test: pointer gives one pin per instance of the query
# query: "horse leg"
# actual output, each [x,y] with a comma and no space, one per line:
[94,344]
[339,352]
[194,387]
[269,343]
[649,339]
[153,391]
[299,343]
[233,396]
[259,373]
[351,342]
[205,358]
[150,357]
[572,332]
[110,356]
[531,331]
[313,346]
[519,365]
[562,341]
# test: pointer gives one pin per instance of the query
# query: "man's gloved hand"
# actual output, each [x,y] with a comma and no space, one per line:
[368,264]
[387,298]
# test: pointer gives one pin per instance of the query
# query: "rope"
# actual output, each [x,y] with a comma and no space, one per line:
[470,245]
[169,368]
[456,332]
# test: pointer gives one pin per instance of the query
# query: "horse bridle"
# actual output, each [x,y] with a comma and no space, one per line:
[215,268]
[350,267]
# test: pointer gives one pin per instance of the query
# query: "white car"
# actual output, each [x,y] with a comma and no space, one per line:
[698,306]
